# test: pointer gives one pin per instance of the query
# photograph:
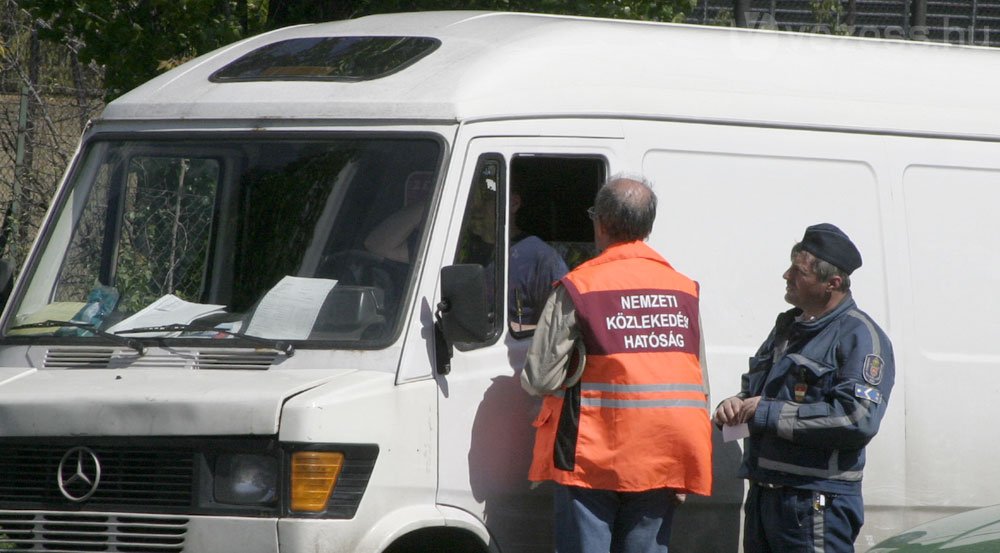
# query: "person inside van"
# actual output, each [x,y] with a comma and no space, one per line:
[395,238]
[533,264]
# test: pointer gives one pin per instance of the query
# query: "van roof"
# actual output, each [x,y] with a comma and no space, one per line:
[510,65]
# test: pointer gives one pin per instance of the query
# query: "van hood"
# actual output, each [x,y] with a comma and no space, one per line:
[149,402]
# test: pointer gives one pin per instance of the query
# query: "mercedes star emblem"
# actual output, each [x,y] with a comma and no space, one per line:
[79,474]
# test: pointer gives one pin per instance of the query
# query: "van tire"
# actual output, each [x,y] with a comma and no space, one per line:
[438,540]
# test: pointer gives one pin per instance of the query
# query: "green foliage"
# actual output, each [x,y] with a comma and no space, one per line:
[136,39]
[648,10]
[828,15]
[135,274]
[165,240]
[725,18]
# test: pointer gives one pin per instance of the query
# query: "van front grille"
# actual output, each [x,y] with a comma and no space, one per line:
[79,533]
[130,477]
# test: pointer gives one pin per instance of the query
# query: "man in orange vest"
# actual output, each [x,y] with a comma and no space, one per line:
[623,430]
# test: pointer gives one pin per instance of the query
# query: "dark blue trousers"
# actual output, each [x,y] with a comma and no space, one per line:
[792,520]
[602,521]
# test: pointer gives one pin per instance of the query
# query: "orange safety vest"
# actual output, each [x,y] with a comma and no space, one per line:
[638,418]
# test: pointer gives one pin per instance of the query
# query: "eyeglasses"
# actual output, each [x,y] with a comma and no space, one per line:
[592,213]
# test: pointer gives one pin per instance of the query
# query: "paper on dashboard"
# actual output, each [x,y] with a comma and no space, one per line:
[169,309]
[289,310]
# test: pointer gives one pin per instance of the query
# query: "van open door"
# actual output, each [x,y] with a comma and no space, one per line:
[513,190]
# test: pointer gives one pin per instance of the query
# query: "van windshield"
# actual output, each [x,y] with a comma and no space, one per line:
[290,238]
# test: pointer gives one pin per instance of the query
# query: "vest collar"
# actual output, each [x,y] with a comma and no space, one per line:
[626,250]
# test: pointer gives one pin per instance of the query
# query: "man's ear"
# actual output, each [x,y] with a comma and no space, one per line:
[600,236]
[835,283]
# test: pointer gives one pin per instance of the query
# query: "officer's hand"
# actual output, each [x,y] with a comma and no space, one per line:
[728,412]
[747,409]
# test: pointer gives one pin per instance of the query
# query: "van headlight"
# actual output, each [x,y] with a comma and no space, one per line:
[245,479]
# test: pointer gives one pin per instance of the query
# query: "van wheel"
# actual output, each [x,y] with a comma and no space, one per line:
[438,540]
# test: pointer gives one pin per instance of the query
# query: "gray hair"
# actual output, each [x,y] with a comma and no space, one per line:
[626,207]
[824,270]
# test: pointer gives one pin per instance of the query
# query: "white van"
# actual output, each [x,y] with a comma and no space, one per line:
[263,314]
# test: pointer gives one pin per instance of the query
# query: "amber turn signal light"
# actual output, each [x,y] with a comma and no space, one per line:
[314,475]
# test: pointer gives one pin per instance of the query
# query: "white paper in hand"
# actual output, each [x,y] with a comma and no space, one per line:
[735,432]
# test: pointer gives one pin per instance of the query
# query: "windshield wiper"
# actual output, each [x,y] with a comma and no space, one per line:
[123,340]
[284,347]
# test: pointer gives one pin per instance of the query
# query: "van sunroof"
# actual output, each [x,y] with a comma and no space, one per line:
[357,58]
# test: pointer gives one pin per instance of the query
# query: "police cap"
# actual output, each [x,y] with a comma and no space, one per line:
[830,244]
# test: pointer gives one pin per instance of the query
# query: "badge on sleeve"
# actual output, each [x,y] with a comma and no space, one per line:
[872,371]
[867,392]
[800,392]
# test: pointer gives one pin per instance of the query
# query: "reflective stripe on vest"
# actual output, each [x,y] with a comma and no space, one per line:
[616,403]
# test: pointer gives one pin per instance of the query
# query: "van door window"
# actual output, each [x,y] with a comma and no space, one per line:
[550,232]
[482,238]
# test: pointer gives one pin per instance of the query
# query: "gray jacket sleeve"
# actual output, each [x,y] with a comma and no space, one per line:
[545,370]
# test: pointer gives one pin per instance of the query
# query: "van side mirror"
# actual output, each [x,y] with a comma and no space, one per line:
[463,313]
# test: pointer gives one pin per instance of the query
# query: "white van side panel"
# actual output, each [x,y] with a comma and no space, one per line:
[949,194]
[733,200]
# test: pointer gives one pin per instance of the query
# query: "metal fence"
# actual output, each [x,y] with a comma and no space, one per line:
[46,98]
[964,22]
[164,234]
[972,22]
[167,232]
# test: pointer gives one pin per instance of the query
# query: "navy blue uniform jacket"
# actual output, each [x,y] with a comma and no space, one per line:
[824,387]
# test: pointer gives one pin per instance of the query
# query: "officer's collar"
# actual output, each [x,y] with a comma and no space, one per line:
[794,316]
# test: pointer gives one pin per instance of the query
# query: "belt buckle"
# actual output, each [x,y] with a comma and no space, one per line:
[770,486]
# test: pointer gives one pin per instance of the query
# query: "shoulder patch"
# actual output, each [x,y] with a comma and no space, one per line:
[867,392]
[872,371]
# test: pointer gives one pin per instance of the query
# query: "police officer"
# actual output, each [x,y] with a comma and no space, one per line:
[813,398]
